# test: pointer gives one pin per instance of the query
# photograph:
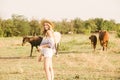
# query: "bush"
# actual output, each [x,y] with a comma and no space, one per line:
[118,33]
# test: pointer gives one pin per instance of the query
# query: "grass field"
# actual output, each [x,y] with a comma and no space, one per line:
[76,60]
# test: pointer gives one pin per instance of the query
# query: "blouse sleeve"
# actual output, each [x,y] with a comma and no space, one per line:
[51,43]
[42,42]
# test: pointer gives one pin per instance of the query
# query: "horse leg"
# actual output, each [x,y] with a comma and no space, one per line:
[106,45]
[31,51]
[94,46]
[57,48]
[103,48]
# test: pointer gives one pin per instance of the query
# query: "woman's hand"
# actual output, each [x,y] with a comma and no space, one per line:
[39,48]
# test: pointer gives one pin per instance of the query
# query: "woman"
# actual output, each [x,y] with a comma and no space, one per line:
[47,48]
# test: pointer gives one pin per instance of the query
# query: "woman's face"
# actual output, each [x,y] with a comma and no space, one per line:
[46,26]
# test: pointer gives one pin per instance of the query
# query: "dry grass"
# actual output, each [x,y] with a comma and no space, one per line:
[82,65]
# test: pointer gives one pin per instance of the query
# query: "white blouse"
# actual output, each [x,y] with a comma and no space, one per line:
[48,52]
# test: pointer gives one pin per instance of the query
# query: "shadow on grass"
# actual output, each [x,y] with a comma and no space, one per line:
[27,57]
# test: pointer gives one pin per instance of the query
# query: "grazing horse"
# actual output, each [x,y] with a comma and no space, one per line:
[35,41]
[93,39]
[104,38]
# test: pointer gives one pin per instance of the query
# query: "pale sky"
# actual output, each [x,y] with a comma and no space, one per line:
[61,9]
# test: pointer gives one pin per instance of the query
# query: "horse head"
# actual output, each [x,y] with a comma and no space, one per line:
[25,39]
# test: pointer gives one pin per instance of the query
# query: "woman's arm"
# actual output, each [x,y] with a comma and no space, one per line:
[43,46]
[49,33]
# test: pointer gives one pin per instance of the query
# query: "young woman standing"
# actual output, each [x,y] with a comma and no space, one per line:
[47,49]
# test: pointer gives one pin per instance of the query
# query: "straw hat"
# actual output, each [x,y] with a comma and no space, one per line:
[50,24]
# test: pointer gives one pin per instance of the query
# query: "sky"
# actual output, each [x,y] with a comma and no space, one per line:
[61,9]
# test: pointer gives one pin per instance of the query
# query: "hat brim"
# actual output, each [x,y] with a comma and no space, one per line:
[46,21]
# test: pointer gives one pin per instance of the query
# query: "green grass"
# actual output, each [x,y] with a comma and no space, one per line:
[76,60]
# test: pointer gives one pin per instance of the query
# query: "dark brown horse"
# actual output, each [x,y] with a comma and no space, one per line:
[93,39]
[35,41]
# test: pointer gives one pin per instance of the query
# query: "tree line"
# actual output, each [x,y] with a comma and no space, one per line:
[19,25]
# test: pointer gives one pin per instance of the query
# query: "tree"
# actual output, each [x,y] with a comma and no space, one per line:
[7,28]
[90,26]
[64,26]
[118,30]
[21,25]
[98,22]
[108,25]
[78,25]
[34,27]
[1,31]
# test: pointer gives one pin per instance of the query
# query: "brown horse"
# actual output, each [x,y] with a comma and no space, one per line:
[104,38]
[35,41]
